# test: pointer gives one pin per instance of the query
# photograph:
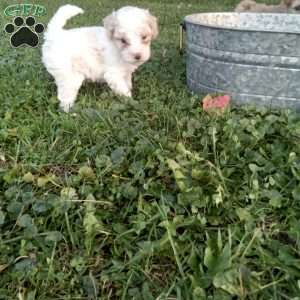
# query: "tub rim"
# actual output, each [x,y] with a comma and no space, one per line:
[187,20]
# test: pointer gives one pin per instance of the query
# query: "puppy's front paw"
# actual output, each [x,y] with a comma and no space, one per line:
[118,84]
[122,90]
[128,94]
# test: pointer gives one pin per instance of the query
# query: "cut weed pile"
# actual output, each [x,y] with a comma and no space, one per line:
[147,199]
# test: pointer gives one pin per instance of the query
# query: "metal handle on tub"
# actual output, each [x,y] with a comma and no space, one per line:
[182,28]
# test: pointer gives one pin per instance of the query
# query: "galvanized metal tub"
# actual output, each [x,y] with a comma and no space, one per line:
[253,57]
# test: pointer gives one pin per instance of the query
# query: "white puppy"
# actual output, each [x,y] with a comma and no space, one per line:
[110,53]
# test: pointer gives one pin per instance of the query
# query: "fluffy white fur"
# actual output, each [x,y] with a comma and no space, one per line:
[110,53]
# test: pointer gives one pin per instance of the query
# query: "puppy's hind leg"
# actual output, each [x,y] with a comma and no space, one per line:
[67,90]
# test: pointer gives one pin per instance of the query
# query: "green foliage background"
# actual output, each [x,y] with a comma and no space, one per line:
[146,199]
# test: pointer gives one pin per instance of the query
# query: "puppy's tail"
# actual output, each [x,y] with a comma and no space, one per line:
[63,14]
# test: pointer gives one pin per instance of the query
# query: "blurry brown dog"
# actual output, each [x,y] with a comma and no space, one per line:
[285,6]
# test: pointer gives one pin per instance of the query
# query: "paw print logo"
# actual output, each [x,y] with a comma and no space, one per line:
[24,33]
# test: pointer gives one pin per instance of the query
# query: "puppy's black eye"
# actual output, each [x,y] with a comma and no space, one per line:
[144,37]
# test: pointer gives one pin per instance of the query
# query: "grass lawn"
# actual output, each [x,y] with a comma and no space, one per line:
[152,199]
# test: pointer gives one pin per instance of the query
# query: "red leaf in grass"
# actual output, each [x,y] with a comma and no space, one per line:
[215,104]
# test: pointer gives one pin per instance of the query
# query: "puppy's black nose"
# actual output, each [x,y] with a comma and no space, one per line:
[137,56]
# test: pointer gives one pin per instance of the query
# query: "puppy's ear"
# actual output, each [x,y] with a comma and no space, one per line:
[110,23]
[153,25]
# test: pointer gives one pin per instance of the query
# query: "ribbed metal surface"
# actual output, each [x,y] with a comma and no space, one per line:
[253,57]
